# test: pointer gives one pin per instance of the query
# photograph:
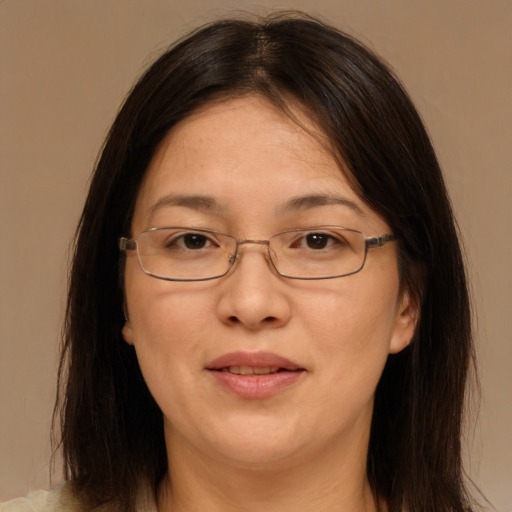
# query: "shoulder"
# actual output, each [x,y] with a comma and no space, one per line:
[59,499]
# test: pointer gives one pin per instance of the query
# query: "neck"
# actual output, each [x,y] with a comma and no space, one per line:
[324,483]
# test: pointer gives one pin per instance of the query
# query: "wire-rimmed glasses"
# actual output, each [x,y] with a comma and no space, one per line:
[189,254]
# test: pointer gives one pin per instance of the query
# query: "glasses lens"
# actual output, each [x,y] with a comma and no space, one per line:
[184,254]
[318,253]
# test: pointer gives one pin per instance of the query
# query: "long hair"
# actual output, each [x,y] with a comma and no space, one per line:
[111,428]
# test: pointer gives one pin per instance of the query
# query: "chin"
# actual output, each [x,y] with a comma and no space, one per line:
[250,442]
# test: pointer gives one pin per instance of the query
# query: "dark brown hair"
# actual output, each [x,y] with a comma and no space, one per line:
[112,434]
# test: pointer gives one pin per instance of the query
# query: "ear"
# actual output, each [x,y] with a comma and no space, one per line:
[405,324]
[127,332]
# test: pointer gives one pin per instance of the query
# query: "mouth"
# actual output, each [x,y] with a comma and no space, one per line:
[256,375]
[253,363]
[252,370]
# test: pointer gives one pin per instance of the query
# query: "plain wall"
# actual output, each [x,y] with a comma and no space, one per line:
[66,65]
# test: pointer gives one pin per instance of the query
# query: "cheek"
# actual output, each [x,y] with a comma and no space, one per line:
[160,317]
[169,331]
[353,313]
[351,328]
[162,308]
[168,322]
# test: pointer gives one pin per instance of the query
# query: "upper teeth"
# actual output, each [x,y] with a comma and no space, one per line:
[249,370]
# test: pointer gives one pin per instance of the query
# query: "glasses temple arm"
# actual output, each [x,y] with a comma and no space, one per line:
[126,245]
[379,241]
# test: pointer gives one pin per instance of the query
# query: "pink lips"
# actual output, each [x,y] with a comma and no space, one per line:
[254,375]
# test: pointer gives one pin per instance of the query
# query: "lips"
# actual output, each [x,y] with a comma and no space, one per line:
[250,370]
[253,360]
[255,375]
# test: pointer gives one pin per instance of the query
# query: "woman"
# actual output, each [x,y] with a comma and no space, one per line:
[268,306]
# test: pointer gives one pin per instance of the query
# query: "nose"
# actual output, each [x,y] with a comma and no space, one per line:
[253,295]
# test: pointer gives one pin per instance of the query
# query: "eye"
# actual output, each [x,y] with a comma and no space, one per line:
[190,241]
[317,241]
[194,241]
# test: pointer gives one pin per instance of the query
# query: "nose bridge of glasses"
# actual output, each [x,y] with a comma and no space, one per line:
[257,242]
[241,242]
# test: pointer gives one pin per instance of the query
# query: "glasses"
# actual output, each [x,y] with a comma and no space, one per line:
[188,254]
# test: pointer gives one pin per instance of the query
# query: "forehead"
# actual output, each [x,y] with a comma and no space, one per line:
[243,153]
[223,130]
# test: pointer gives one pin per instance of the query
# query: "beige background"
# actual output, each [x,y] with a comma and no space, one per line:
[66,64]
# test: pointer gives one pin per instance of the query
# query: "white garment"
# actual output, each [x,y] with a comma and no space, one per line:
[60,499]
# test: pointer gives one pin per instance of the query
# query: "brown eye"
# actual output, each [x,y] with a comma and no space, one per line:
[318,240]
[194,241]
[189,241]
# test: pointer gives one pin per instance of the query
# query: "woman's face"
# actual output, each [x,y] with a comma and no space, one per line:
[208,350]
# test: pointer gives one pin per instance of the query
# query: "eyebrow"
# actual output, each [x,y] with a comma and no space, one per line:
[196,202]
[207,203]
[315,200]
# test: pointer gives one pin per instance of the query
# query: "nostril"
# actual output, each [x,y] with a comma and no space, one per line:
[267,320]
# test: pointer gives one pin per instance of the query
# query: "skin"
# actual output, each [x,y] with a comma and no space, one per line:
[305,447]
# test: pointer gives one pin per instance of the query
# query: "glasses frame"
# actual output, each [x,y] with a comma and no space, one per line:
[130,244]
